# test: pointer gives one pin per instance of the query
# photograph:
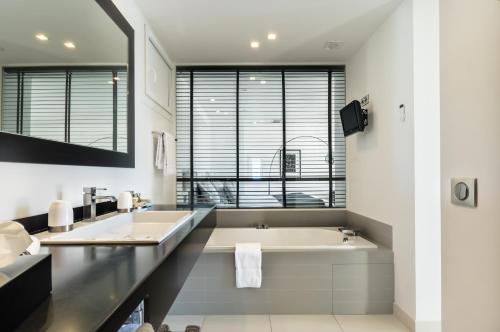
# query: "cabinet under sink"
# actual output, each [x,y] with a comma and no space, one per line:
[145,227]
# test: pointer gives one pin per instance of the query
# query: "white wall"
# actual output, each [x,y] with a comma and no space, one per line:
[380,171]
[427,165]
[28,189]
[470,146]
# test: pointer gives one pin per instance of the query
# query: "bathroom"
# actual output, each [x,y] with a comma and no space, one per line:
[190,165]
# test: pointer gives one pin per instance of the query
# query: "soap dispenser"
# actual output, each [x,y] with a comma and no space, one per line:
[125,202]
[60,216]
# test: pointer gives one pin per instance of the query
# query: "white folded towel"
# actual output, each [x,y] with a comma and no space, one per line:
[248,261]
[34,247]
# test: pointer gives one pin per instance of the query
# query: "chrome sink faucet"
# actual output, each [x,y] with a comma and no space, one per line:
[90,202]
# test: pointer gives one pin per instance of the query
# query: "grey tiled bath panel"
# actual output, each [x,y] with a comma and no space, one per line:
[339,282]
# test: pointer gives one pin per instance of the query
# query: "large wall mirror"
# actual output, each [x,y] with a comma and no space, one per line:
[67,94]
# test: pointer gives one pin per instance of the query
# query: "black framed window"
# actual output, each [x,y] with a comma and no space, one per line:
[85,106]
[261,137]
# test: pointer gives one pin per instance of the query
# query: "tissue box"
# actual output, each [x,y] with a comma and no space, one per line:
[24,285]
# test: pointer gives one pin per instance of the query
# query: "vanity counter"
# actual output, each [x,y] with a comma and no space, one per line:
[96,288]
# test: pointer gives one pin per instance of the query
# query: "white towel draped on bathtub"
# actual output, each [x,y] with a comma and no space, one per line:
[248,261]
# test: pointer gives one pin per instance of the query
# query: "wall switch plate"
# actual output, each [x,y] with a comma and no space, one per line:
[402,113]
[365,100]
[464,191]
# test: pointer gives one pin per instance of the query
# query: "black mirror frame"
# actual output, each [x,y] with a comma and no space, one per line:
[25,149]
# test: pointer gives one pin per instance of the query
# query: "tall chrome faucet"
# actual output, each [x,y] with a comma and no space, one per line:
[90,202]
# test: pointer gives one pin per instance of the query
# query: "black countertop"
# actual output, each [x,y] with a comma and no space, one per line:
[92,284]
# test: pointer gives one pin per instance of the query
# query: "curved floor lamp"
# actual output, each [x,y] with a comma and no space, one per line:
[279,149]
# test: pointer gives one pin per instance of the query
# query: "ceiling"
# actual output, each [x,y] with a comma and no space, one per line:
[220,31]
[97,38]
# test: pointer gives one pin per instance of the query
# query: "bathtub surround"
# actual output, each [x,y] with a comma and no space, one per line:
[287,239]
[378,232]
[338,282]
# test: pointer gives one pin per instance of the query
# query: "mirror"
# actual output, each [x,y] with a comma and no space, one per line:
[66,78]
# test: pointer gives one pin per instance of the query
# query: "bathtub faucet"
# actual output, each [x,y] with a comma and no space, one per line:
[262,226]
[347,233]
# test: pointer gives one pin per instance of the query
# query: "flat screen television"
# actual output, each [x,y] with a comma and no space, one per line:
[354,118]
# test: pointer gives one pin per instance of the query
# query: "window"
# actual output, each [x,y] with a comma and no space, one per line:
[269,138]
[85,106]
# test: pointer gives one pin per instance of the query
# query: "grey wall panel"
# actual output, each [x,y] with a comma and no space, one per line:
[372,229]
[281,217]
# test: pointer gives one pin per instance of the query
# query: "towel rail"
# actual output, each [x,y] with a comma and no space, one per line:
[154,132]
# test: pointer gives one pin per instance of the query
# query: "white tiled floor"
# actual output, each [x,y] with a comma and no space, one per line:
[289,323]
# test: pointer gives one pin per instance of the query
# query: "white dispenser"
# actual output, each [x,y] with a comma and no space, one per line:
[60,216]
[125,202]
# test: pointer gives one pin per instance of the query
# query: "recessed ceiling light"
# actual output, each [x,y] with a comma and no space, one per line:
[263,82]
[212,100]
[69,44]
[111,82]
[116,78]
[41,36]
[271,36]
[254,44]
[252,78]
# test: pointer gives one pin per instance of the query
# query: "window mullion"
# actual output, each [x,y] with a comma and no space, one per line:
[283,158]
[330,156]
[237,138]
[115,110]
[191,137]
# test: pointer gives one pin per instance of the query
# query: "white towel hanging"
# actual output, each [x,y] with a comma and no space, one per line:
[164,148]
[248,263]
[161,152]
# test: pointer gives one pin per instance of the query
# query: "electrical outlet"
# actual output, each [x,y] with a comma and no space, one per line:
[365,100]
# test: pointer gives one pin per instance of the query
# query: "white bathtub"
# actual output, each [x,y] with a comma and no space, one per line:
[285,239]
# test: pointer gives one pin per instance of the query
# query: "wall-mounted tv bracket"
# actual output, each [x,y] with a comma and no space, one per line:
[365,100]
[364,114]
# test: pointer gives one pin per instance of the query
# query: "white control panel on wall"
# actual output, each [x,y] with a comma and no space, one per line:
[402,113]
[464,191]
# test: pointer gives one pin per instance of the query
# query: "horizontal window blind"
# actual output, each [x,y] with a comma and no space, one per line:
[34,104]
[265,138]
[338,101]
[85,107]
[261,136]
[183,128]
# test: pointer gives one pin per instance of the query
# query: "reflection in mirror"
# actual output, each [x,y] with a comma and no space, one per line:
[64,77]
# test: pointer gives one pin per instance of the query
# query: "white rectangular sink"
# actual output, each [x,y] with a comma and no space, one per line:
[148,227]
